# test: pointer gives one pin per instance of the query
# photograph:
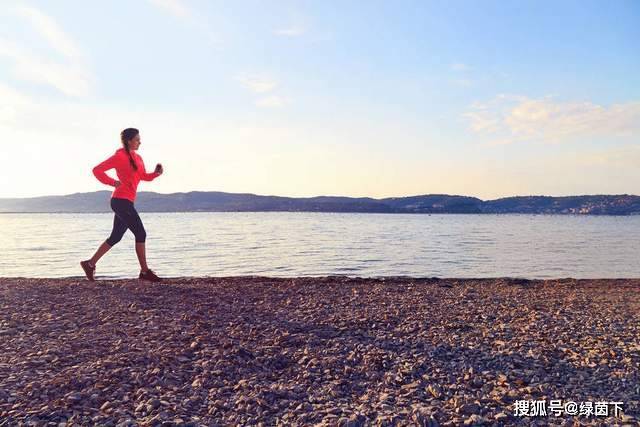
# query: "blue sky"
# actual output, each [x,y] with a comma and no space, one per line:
[305,98]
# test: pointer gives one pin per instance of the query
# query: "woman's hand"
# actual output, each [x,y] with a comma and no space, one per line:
[159,169]
[116,184]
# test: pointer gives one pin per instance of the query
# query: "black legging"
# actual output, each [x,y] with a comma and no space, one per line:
[125,217]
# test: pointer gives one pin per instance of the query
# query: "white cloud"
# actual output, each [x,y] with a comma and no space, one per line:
[509,118]
[71,79]
[179,10]
[263,85]
[50,30]
[481,122]
[271,102]
[293,31]
[257,84]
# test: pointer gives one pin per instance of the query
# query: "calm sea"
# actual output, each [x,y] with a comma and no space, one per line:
[313,244]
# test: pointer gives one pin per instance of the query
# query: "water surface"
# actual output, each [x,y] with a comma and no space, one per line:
[314,244]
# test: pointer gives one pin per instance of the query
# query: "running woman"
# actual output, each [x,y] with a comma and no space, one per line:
[130,170]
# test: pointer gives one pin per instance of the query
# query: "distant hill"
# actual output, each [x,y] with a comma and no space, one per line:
[584,205]
[215,201]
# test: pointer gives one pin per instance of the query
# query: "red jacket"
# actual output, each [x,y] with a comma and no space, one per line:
[128,177]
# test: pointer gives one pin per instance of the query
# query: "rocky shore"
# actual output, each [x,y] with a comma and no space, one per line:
[333,351]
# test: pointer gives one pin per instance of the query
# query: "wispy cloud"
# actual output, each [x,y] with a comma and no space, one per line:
[482,122]
[71,77]
[50,30]
[257,84]
[263,85]
[510,118]
[293,31]
[179,10]
[271,102]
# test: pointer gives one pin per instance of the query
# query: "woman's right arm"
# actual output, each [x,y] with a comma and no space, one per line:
[99,171]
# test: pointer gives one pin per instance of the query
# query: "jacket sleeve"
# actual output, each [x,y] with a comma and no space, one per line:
[145,176]
[99,171]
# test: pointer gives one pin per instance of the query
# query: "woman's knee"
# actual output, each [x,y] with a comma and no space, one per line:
[113,239]
[141,235]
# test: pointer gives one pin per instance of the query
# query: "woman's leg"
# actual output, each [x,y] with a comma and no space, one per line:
[141,238]
[119,228]
[142,256]
[134,223]
[102,249]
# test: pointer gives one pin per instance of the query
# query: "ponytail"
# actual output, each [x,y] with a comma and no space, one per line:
[133,164]
[125,137]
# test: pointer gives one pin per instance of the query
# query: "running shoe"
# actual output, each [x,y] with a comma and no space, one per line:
[88,269]
[150,276]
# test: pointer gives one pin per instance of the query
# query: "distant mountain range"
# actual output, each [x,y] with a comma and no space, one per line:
[215,201]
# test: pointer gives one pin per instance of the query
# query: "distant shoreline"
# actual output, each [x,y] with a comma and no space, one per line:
[215,201]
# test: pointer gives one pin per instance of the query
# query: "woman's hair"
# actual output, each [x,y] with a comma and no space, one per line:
[126,136]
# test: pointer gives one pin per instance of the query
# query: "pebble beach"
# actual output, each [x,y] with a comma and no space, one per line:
[329,351]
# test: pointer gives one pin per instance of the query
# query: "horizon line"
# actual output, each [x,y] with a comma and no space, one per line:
[312,197]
